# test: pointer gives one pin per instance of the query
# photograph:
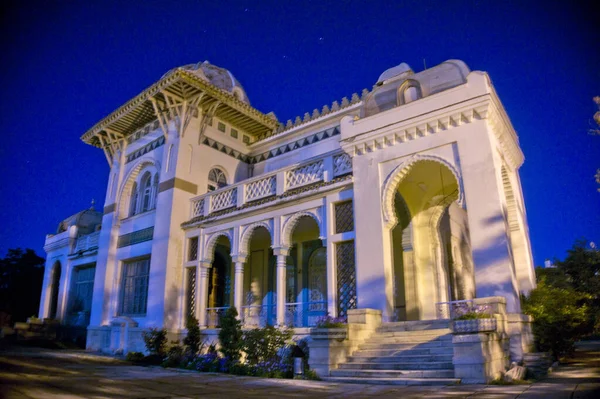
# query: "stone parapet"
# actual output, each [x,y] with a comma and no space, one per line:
[328,351]
[480,358]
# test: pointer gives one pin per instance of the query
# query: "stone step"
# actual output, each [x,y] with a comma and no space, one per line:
[394,381]
[406,345]
[400,358]
[440,350]
[397,366]
[409,340]
[418,325]
[392,373]
[426,333]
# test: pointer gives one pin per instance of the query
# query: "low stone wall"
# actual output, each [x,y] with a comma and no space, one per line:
[480,358]
[328,349]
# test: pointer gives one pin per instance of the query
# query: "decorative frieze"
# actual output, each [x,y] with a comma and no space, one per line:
[146,149]
[135,237]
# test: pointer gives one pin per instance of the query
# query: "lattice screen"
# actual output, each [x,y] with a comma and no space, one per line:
[190,301]
[344,217]
[346,278]
[193,249]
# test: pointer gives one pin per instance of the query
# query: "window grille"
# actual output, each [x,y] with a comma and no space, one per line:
[221,126]
[234,133]
[216,179]
[193,248]
[344,217]
[134,287]
[346,278]
[83,289]
[246,139]
[191,292]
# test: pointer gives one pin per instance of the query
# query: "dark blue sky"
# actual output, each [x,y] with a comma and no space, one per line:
[66,65]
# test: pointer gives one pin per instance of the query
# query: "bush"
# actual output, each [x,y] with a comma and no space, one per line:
[559,317]
[330,322]
[193,340]
[155,340]
[136,357]
[263,344]
[230,335]
[175,356]
[473,316]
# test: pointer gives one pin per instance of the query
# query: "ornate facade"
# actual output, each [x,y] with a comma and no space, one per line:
[402,199]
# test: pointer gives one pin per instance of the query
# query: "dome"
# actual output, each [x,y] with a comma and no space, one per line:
[399,70]
[86,222]
[217,76]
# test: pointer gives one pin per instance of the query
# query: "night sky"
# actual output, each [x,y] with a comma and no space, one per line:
[66,65]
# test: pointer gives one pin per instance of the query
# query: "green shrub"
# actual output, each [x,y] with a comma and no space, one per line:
[230,335]
[175,356]
[263,344]
[155,340]
[193,340]
[473,316]
[135,357]
[559,315]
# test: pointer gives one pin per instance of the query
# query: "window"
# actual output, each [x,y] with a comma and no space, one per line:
[134,287]
[143,193]
[221,126]
[83,289]
[344,217]
[246,139]
[216,179]
[409,91]
[193,249]
[234,133]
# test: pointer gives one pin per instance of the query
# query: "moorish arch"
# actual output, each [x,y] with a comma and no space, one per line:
[416,198]
[211,243]
[291,223]
[129,181]
[247,235]
[395,178]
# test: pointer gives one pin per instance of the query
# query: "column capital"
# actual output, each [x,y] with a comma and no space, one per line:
[205,264]
[281,251]
[239,258]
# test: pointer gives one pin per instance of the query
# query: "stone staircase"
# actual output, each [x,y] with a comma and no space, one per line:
[402,353]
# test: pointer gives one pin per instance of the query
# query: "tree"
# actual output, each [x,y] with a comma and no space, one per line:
[21,278]
[230,335]
[596,132]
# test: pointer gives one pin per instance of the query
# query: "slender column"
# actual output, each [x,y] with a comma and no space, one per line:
[281,254]
[203,293]
[238,284]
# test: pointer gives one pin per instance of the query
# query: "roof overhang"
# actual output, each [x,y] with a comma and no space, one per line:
[180,85]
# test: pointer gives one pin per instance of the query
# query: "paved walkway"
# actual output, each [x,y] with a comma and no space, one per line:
[38,373]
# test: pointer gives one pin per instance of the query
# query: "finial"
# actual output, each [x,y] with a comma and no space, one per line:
[355,98]
[315,113]
[335,106]
[92,205]
[325,110]
[345,102]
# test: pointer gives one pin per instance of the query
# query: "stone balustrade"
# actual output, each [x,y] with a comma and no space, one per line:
[87,242]
[272,184]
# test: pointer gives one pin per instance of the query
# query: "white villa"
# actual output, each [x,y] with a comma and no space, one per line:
[401,200]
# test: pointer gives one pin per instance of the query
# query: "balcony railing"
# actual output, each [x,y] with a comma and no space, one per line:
[87,242]
[271,184]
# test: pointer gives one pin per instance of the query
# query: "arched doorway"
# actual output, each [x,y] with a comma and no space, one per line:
[259,301]
[54,290]
[430,245]
[306,275]
[220,293]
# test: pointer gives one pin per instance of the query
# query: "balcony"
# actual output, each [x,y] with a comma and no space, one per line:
[86,243]
[281,183]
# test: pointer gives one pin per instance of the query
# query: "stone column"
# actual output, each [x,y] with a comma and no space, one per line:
[203,293]
[281,254]
[238,285]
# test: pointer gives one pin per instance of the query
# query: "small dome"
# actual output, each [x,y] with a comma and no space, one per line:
[86,222]
[217,76]
[399,70]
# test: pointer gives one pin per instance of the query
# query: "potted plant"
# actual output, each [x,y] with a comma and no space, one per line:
[328,327]
[473,319]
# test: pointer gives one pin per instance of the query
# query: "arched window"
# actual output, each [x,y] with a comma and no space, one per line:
[134,200]
[409,91]
[146,192]
[216,179]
